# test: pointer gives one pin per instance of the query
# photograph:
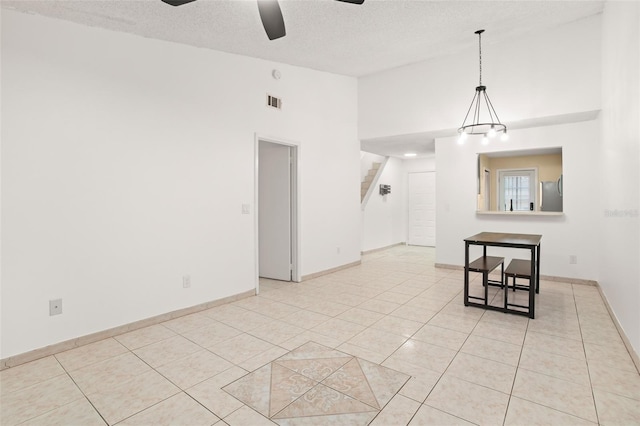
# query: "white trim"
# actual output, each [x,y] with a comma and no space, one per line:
[76,342]
[331,270]
[295,206]
[520,213]
[487,187]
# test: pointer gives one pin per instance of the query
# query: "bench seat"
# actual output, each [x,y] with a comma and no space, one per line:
[518,268]
[485,265]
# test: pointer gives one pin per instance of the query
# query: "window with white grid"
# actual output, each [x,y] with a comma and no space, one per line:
[516,189]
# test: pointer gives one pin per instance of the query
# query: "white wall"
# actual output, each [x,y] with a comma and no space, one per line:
[418,165]
[590,64]
[125,162]
[384,219]
[570,234]
[619,155]
[521,76]
[541,75]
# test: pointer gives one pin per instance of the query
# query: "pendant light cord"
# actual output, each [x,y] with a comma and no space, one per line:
[480,98]
[480,54]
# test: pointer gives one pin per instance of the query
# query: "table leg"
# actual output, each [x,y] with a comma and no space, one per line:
[505,283]
[532,284]
[466,273]
[538,270]
[506,292]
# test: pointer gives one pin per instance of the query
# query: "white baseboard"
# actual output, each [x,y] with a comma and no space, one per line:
[329,271]
[632,353]
[56,348]
[542,277]
[383,248]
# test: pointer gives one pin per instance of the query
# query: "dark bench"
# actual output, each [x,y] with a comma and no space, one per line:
[519,268]
[485,265]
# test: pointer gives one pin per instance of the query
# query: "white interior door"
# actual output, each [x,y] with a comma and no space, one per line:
[274,211]
[422,209]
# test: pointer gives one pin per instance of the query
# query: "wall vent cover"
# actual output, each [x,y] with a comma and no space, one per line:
[274,102]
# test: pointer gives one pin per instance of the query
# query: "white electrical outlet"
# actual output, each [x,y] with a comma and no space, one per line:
[246,209]
[338,250]
[186,281]
[573,259]
[55,307]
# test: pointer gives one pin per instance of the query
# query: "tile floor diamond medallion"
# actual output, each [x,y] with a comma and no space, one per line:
[314,383]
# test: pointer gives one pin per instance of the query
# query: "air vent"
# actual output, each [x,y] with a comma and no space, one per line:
[274,102]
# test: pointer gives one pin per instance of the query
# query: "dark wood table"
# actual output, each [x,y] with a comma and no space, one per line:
[529,242]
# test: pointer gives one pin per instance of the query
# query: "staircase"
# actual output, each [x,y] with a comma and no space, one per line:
[368,180]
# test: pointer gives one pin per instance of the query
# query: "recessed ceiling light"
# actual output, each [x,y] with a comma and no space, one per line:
[410,154]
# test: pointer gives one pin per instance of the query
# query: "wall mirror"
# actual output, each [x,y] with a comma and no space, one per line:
[518,181]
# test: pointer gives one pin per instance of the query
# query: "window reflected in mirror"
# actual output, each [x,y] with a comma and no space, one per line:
[518,181]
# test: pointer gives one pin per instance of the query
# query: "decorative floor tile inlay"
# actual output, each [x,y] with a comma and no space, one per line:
[314,380]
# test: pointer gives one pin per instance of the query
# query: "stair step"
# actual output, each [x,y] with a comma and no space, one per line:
[368,180]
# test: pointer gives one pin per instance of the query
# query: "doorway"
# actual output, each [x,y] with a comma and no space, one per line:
[422,209]
[277,207]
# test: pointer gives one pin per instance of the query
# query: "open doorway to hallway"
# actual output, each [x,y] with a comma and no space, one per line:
[277,207]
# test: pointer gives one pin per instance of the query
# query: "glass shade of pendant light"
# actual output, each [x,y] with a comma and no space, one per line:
[462,138]
[487,124]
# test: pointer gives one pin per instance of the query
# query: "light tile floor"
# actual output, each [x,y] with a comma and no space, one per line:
[388,342]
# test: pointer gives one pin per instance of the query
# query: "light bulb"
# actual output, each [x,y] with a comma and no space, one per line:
[485,140]
[492,132]
[504,137]
[462,138]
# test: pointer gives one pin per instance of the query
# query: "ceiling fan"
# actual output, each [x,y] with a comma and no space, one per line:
[270,14]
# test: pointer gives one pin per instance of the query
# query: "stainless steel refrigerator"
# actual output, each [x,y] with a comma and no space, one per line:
[551,196]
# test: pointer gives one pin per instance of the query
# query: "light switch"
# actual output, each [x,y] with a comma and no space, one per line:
[246,209]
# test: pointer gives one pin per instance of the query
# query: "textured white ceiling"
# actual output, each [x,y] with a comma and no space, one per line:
[326,35]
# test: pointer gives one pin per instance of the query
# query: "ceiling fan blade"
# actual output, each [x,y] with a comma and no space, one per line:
[177,2]
[352,1]
[272,19]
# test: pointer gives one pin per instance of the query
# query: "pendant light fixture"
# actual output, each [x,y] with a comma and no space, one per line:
[486,124]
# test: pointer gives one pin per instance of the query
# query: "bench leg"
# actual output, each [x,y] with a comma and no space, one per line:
[485,283]
[506,292]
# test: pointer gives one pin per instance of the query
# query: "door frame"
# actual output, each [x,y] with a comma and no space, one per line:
[487,189]
[295,206]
